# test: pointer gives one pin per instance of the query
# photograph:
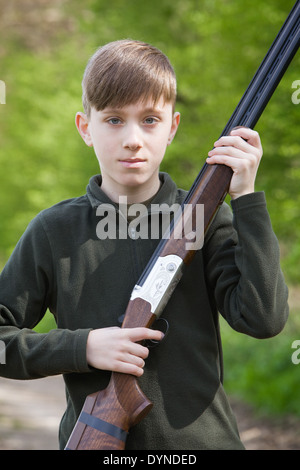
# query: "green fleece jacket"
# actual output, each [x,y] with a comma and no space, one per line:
[60,264]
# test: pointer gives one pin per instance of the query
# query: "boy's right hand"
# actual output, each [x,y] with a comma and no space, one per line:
[116,349]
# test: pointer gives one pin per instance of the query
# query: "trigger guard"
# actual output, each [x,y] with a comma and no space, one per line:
[164,328]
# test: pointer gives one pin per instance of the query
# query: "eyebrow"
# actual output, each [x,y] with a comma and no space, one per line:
[153,110]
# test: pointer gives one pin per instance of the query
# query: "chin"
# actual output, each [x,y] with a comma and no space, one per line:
[134,180]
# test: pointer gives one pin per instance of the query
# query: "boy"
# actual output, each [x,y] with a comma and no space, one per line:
[129,93]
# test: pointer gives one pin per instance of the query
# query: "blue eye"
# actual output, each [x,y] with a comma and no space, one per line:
[150,120]
[114,121]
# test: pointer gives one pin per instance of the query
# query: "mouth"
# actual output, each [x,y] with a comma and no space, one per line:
[132,162]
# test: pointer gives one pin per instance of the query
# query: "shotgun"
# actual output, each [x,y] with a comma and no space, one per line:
[107,415]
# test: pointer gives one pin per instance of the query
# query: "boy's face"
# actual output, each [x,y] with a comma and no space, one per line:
[130,144]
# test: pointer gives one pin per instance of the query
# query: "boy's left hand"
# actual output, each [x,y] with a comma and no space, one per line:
[242,151]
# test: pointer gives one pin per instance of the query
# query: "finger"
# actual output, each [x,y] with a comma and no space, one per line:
[139,334]
[237,141]
[229,151]
[131,363]
[248,134]
[233,141]
[138,350]
[129,368]
[133,360]
[226,160]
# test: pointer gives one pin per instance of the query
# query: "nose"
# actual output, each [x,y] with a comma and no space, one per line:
[132,137]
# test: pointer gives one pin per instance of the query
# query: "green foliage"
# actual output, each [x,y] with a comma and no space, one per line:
[46,324]
[261,372]
[215,47]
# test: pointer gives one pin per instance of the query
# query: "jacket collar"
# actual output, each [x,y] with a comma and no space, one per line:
[166,194]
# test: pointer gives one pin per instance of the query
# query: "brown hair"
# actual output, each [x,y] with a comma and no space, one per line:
[125,72]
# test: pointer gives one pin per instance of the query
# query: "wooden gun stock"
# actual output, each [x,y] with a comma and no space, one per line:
[108,415]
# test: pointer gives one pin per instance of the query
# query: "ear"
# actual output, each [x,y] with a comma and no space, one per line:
[174,127]
[82,124]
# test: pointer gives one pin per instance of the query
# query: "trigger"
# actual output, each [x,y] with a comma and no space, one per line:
[162,325]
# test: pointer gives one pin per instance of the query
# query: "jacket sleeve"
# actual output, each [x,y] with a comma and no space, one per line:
[27,289]
[243,268]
